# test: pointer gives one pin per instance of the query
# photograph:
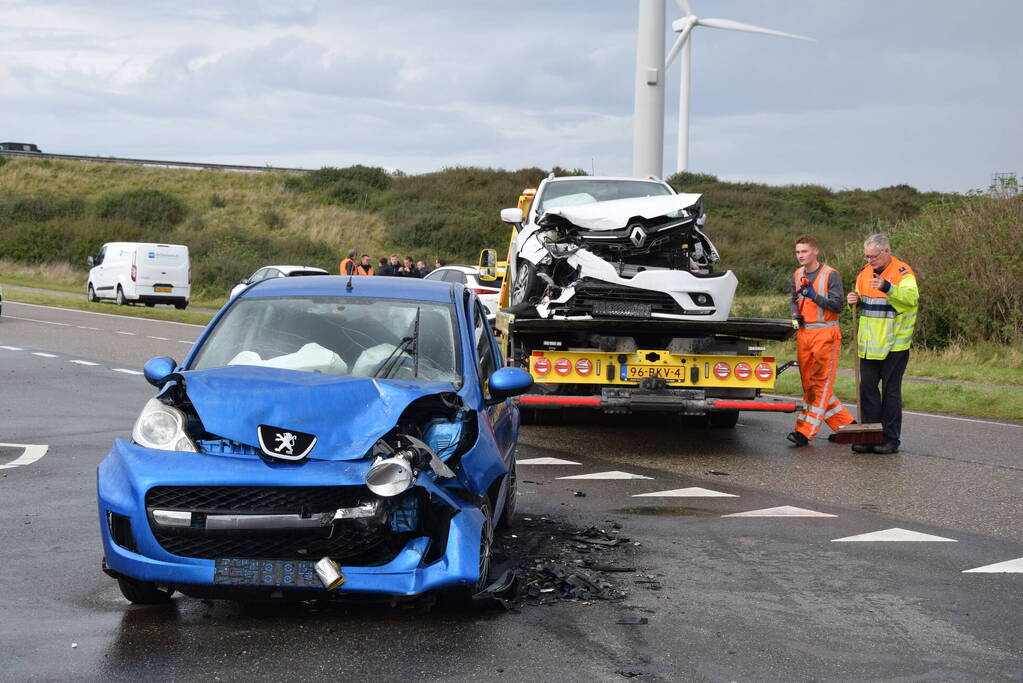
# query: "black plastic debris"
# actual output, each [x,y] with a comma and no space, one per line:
[717,473]
[503,591]
[610,568]
[633,621]
[579,494]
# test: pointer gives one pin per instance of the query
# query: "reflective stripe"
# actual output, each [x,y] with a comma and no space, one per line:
[807,418]
[814,326]
[813,409]
[873,300]
[834,410]
[878,312]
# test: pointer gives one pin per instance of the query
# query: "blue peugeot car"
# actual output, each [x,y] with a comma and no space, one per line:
[326,436]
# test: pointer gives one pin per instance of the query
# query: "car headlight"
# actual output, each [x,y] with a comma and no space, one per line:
[162,427]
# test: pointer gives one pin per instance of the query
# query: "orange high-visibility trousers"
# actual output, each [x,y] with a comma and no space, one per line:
[818,366]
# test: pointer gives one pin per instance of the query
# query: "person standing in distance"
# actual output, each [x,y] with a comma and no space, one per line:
[816,306]
[347,265]
[887,294]
[364,267]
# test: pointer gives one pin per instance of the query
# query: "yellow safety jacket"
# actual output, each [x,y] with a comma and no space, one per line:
[887,316]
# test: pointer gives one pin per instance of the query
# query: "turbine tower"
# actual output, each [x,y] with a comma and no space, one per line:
[684,27]
[648,115]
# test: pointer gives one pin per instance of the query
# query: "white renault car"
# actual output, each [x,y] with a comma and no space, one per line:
[616,247]
[489,293]
[271,272]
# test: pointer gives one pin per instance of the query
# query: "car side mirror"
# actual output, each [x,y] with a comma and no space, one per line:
[511,215]
[487,270]
[91,261]
[243,281]
[158,370]
[508,382]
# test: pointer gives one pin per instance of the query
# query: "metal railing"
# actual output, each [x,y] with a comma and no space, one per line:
[149,162]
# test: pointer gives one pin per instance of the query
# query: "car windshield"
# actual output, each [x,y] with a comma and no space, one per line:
[589,190]
[386,338]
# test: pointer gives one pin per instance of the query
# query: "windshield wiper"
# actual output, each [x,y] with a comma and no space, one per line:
[391,362]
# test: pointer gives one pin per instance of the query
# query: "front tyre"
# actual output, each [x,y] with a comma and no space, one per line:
[181,305]
[508,513]
[119,298]
[91,295]
[143,592]
[460,597]
[524,289]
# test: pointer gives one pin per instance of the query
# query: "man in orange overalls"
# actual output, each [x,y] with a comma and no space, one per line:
[817,301]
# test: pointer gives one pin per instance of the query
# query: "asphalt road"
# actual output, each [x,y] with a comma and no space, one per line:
[724,598]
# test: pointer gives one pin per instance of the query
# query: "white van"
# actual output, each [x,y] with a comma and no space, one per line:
[134,272]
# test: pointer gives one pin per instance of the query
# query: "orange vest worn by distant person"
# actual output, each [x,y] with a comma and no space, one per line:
[347,267]
[818,342]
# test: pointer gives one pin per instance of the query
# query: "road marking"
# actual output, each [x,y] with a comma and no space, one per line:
[545,461]
[12,348]
[44,355]
[34,320]
[783,511]
[160,338]
[83,327]
[910,412]
[31,454]
[120,332]
[1007,567]
[108,315]
[127,371]
[691,492]
[614,474]
[185,341]
[84,362]
[894,534]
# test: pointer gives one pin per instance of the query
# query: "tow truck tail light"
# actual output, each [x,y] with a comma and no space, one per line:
[563,366]
[583,366]
[743,371]
[722,370]
[541,366]
[764,372]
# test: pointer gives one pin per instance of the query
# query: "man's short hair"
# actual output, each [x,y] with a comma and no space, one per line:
[878,240]
[383,260]
[441,262]
[807,240]
[351,254]
[395,256]
[410,259]
[365,256]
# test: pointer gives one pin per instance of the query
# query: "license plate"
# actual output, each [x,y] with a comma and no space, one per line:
[163,289]
[621,309]
[271,573]
[672,373]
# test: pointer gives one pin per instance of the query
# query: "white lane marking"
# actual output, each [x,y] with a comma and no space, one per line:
[1007,567]
[127,371]
[108,315]
[614,474]
[44,355]
[120,332]
[12,348]
[911,412]
[160,338]
[691,492]
[545,461]
[783,511]
[34,320]
[894,534]
[83,327]
[184,341]
[31,454]
[84,362]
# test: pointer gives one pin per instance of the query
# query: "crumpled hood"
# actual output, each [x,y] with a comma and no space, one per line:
[616,213]
[345,414]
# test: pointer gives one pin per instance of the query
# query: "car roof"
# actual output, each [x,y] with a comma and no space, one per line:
[291,269]
[362,286]
[458,266]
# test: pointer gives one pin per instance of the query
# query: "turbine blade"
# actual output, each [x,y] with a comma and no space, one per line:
[684,6]
[729,25]
[677,47]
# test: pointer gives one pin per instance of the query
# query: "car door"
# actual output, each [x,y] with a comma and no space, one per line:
[488,360]
[101,273]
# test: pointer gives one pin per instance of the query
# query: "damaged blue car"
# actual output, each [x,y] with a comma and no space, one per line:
[325,437]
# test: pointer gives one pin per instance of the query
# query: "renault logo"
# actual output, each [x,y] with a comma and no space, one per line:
[637,235]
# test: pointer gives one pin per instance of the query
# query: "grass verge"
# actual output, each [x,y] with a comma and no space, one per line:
[170,314]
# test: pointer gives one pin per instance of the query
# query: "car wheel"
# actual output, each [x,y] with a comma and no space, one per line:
[119,298]
[181,306]
[150,304]
[724,419]
[143,592]
[508,514]
[91,296]
[460,597]
[525,283]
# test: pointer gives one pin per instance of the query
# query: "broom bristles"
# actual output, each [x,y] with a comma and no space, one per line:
[859,433]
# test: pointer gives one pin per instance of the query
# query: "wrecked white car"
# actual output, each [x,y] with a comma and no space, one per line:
[616,247]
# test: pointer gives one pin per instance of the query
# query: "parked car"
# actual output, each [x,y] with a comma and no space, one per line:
[488,292]
[319,440]
[138,272]
[270,272]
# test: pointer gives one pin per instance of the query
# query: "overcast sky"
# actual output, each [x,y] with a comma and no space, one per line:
[923,92]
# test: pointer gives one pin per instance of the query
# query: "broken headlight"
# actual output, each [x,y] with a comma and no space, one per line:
[162,427]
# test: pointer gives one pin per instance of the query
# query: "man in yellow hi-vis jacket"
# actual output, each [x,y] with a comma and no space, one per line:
[887,294]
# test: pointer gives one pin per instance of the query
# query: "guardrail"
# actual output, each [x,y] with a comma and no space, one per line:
[149,162]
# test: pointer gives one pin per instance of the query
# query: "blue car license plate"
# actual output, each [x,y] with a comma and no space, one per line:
[270,573]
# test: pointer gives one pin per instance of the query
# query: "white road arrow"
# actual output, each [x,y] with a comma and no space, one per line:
[608,475]
[895,534]
[545,461]
[783,511]
[692,492]
[30,455]
[1007,567]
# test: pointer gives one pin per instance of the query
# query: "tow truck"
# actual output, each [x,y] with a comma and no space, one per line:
[622,361]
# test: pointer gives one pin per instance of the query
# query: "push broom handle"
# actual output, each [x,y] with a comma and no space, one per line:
[856,355]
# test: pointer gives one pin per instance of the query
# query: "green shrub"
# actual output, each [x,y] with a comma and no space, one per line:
[143,207]
[39,208]
[217,202]
[271,220]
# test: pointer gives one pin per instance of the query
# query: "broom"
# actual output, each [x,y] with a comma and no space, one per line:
[859,433]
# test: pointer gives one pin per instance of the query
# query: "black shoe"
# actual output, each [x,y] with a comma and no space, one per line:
[863,448]
[887,448]
[798,439]
[832,437]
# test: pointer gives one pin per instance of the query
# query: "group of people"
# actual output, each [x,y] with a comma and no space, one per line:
[886,294]
[393,265]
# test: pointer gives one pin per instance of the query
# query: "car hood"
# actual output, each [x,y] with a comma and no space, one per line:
[345,414]
[616,213]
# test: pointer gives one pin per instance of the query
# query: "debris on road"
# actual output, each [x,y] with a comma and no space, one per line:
[633,621]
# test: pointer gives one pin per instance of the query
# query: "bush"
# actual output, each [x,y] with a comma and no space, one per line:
[39,208]
[150,208]
[271,219]
[217,202]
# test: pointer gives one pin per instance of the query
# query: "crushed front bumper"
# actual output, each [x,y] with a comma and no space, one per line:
[131,548]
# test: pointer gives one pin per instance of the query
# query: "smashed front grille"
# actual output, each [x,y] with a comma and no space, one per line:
[588,298]
[355,541]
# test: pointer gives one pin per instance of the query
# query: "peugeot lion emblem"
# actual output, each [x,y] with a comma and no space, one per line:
[284,444]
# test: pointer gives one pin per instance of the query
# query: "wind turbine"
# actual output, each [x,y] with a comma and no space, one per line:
[684,27]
